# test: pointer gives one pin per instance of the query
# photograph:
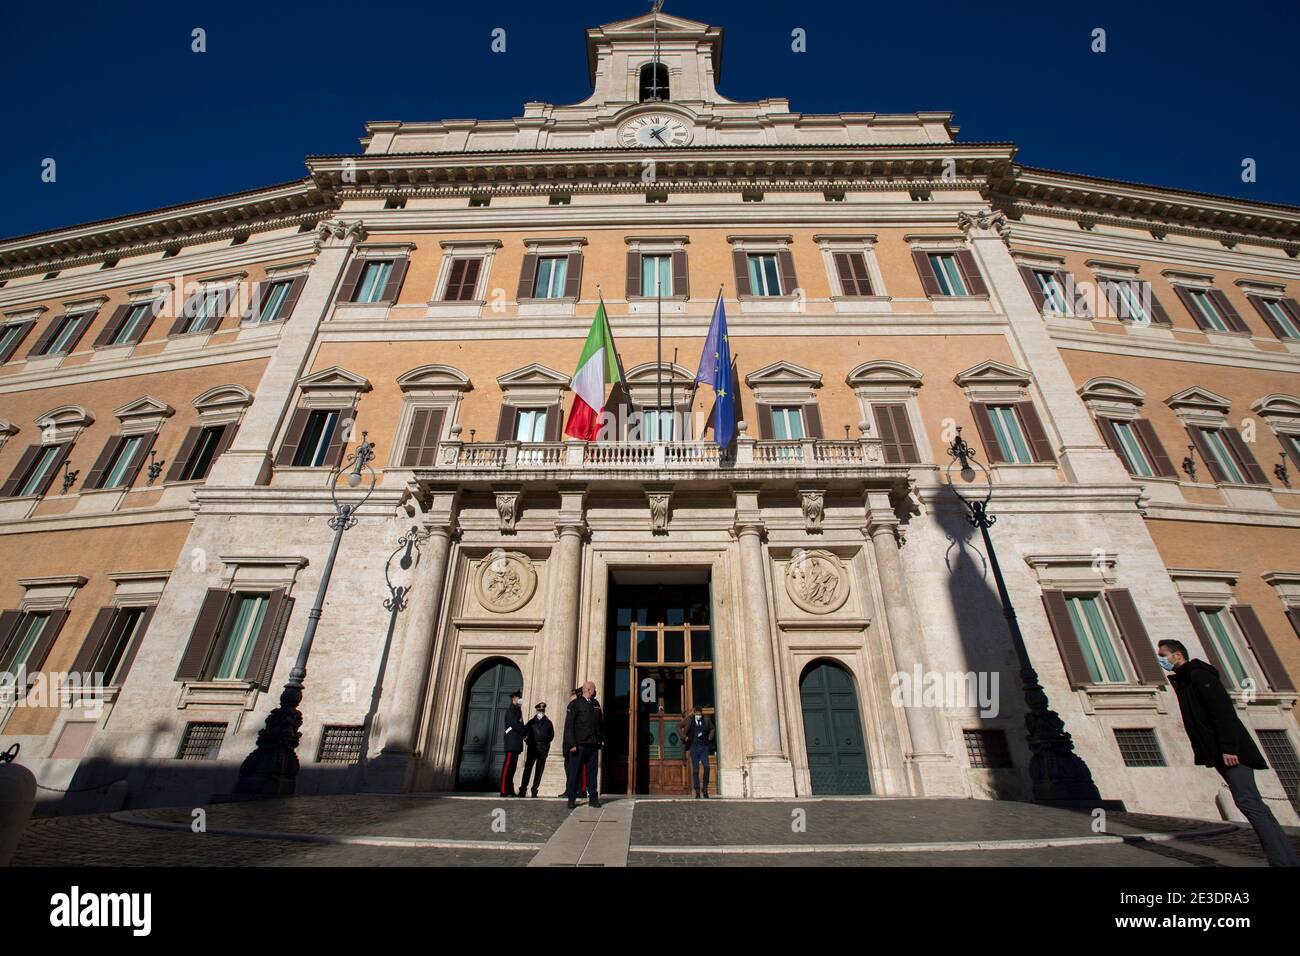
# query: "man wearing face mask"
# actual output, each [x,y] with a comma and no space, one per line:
[1220,740]
[538,734]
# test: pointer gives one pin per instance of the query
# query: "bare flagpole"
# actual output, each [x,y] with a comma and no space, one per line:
[672,402]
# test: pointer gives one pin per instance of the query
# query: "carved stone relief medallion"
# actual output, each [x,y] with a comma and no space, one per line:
[505,581]
[816,581]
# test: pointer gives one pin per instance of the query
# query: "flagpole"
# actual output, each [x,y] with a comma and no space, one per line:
[659,354]
[672,402]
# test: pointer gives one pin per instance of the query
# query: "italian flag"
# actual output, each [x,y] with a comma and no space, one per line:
[598,368]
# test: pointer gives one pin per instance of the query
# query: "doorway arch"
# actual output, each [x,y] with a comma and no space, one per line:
[832,727]
[482,740]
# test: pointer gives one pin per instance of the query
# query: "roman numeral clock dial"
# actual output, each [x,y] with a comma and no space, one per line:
[652,131]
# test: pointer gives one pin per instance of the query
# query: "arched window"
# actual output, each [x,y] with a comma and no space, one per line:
[654,82]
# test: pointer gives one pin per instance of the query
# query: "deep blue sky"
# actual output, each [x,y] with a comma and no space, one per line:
[135,120]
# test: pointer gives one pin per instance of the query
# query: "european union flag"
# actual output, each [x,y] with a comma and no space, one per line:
[715,370]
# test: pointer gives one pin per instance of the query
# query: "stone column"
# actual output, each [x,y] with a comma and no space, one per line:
[565,614]
[931,767]
[770,771]
[406,677]
[248,460]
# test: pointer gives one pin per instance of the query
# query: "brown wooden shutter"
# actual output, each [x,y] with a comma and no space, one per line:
[681,275]
[1107,429]
[351,279]
[740,270]
[84,323]
[554,416]
[112,325]
[506,423]
[896,433]
[1189,304]
[41,649]
[396,275]
[422,442]
[183,454]
[812,420]
[462,280]
[343,428]
[1262,309]
[573,277]
[763,413]
[1245,457]
[21,470]
[925,269]
[1082,307]
[203,636]
[94,639]
[971,273]
[1058,616]
[293,436]
[254,307]
[60,456]
[1155,449]
[9,621]
[1292,613]
[1229,312]
[137,460]
[1158,314]
[12,347]
[1134,634]
[1207,645]
[527,277]
[1257,639]
[1292,308]
[1207,456]
[1035,290]
[44,339]
[1039,444]
[785,264]
[266,647]
[97,471]
[128,658]
[186,313]
[633,274]
[984,425]
[143,328]
[291,298]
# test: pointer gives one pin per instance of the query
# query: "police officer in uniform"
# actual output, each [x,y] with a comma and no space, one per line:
[514,734]
[538,734]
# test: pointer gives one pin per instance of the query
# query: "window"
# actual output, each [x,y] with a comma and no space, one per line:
[751,195]
[41,471]
[764,274]
[895,431]
[560,199]
[787,423]
[1054,298]
[1283,322]
[552,271]
[119,470]
[1125,302]
[1009,435]
[462,280]
[67,329]
[202,740]
[947,273]
[18,650]
[656,424]
[530,425]
[656,275]
[1139,748]
[1130,444]
[1223,458]
[244,623]
[138,315]
[1221,632]
[374,279]
[1281,757]
[833,195]
[9,336]
[479,202]
[653,197]
[341,745]
[395,202]
[204,312]
[852,270]
[110,657]
[987,749]
[1095,641]
[1208,311]
[316,437]
[273,299]
[654,82]
[205,449]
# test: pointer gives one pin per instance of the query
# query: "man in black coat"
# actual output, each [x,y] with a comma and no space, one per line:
[1220,740]
[538,734]
[697,733]
[587,736]
[514,734]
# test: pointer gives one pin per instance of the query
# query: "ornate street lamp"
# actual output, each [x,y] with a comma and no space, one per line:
[271,770]
[1057,772]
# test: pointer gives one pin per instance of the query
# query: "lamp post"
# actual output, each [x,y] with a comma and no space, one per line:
[271,770]
[1057,772]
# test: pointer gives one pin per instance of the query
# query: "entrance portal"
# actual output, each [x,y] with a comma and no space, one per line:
[659,663]
[482,742]
[837,752]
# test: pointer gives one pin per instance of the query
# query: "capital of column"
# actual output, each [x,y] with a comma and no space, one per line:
[984,224]
[336,232]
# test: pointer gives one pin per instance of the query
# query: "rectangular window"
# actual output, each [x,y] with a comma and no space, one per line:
[68,329]
[1095,639]
[1054,299]
[852,270]
[116,473]
[122,633]
[202,741]
[205,449]
[1222,634]
[206,310]
[552,271]
[341,744]
[8,336]
[19,649]
[1009,434]
[987,749]
[1139,748]
[1125,301]
[316,438]
[1281,757]
[1134,453]
[1204,304]
[126,332]
[764,275]
[787,423]
[1281,319]
[947,273]
[244,623]
[462,281]
[656,276]
[530,425]
[374,279]
[1223,457]
[273,300]
[39,474]
[656,424]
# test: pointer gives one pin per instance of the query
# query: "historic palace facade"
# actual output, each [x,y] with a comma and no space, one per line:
[176,386]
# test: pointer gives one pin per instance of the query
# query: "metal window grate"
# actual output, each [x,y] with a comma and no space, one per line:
[1282,758]
[202,741]
[340,744]
[1139,748]
[987,749]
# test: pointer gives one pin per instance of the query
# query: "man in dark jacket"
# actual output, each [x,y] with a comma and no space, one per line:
[1220,740]
[588,736]
[697,732]
[538,734]
[514,734]
[570,747]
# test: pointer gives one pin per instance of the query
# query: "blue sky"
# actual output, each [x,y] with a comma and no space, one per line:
[135,120]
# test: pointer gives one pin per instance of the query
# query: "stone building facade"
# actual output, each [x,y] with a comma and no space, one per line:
[198,371]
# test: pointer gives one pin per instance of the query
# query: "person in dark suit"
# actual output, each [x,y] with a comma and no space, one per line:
[538,734]
[697,733]
[571,749]
[1220,740]
[588,736]
[514,734]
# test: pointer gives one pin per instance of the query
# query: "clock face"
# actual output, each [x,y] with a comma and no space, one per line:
[652,130]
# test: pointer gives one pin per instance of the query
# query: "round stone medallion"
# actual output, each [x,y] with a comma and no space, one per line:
[505,581]
[816,581]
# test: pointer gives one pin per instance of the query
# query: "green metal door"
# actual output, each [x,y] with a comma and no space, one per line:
[482,742]
[837,752]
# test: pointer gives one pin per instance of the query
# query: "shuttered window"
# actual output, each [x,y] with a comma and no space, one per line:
[1009,435]
[948,274]
[1135,455]
[138,315]
[38,477]
[1282,320]
[273,299]
[851,267]
[18,650]
[552,271]
[895,431]
[1223,457]
[114,652]
[1124,301]
[66,331]
[374,279]
[530,424]
[462,280]
[1208,310]
[9,336]
[205,449]
[787,423]
[245,619]
[1054,299]
[119,467]
[1221,631]
[1096,639]
[656,275]
[764,274]
[204,312]
[422,438]
[316,438]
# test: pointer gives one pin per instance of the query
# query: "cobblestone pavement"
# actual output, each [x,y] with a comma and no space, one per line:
[1107,856]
